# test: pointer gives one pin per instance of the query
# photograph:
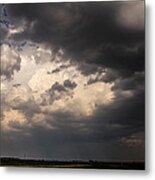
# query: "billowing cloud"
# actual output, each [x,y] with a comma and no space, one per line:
[73,82]
[77,39]
[10,61]
[65,90]
[13,120]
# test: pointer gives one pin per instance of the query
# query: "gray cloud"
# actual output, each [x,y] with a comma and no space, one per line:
[97,46]
[99,132]
[130,83]
[58,91]
[57,87]
[55,70]
[87,36]
[68,84]
[10,61]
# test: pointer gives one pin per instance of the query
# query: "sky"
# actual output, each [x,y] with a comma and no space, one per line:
[73,80]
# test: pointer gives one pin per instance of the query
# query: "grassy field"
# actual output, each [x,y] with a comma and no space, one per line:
[72,164]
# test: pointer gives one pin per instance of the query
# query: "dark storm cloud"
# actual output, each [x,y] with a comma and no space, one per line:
[99,133]
[102,125]
[47,144]
[134,82]
[124,113]
[110,122]
[87,32]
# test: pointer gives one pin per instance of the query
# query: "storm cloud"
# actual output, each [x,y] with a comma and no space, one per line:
[83,32]
[79,93]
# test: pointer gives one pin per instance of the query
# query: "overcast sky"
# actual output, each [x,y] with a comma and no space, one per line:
[72,80]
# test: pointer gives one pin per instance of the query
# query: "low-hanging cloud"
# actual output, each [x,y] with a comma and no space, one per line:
[81,93]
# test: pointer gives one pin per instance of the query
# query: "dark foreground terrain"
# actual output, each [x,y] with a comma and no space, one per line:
[72,164]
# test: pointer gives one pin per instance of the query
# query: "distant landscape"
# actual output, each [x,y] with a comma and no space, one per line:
[72,164]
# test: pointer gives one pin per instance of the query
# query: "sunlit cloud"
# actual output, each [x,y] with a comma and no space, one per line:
[72,80]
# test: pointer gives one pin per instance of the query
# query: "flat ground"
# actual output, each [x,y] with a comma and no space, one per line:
[72,164]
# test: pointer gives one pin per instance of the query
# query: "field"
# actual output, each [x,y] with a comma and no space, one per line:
[72,164]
